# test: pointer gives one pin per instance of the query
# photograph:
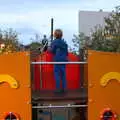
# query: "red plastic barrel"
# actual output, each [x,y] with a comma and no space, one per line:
[44,75]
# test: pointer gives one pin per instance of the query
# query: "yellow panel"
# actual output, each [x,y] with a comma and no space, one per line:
[103,83]
[108,77]
[9,79]
[15,70]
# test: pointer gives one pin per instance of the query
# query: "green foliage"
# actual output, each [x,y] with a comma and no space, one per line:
[10,38]
[105,38]
[35,45]
[108,38]
[79,42]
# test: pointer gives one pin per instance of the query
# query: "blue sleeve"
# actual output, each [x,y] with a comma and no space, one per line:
[67,49]
[53,47]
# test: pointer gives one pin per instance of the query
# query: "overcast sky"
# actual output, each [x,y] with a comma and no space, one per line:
[33,16]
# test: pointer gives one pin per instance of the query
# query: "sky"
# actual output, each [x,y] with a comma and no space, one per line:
[30,17]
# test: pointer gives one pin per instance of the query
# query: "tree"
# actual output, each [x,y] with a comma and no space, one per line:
[38,43]
[36,46]
[35,43]
[108,38]
[79,42]
[105,38]
[9,38]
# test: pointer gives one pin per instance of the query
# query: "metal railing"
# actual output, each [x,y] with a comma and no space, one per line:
[53,63]
[34,63]
[69,110]
[62,106]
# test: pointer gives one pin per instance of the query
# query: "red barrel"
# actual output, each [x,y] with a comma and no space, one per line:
[44,74]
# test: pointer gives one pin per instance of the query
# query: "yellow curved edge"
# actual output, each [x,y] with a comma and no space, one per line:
[10,80]
[108,77]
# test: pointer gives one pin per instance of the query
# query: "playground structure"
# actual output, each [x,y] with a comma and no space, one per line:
[44,75]
[20,99]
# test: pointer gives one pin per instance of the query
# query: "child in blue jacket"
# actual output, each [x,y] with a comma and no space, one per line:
[59,48]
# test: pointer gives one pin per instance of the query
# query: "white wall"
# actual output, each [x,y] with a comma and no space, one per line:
[89,19]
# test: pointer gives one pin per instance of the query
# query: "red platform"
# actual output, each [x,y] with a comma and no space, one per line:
[47,74]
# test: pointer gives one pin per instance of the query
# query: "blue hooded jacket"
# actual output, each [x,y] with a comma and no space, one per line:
[59,48]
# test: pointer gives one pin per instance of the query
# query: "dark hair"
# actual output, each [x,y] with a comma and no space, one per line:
[58,33]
